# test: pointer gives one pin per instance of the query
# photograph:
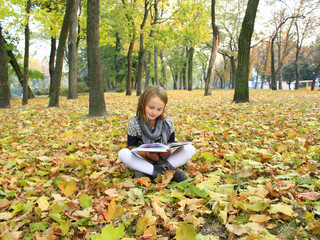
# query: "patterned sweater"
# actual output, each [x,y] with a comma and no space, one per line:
[134,138]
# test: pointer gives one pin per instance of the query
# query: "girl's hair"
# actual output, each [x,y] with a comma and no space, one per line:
[150,92]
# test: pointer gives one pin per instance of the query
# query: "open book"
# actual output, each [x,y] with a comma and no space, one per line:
[159,147]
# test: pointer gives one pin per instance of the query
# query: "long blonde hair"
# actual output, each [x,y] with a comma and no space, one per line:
[150,92]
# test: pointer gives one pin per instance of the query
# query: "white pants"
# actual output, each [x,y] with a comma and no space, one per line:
[178,158]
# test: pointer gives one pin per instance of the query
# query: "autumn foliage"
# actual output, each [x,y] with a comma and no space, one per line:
[255,174]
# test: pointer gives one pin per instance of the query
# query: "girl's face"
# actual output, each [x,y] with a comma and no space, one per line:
[154,108]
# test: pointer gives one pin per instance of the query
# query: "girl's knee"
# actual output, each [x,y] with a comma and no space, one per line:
[190,150]
[124,155]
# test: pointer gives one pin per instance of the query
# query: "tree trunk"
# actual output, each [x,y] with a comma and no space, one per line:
[156,69]
[140,66]
[51,62]
[280,75]
[242,88]
[164,77]
[141,48]
[26,57]
[214,50]
[273,69]
[54,96]
[315,77]
[190,64]
[147,69]
[130,51]
[117,61]
[184,77]
[233,72]
[73,71]
[129,77]
[16,68]
[4,76]
[97,105]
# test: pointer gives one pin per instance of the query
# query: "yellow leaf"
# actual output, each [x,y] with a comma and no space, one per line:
[259,218]
[68,134]
[70,188]
[158,209]
[281,208]
[141,225]
[282,148]
[43,203]
[111,214]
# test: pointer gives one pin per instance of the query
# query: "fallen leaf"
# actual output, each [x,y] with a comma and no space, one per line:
[311,196]
[156,204]
[145,181]
[4,203]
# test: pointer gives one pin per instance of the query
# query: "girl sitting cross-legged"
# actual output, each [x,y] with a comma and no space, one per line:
[151,125]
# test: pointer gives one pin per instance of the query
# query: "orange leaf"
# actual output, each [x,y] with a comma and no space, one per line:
[151,232]
[143,181]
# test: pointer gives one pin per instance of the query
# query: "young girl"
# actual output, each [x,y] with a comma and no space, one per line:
[152,125]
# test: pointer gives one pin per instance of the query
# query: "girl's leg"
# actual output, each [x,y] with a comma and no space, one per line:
[134,162]
[181,156]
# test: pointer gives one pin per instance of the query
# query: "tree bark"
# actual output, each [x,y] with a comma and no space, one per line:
[130,51]
[51,62]
[156,69]
[4,76]
[316,73]
[242,88]
[190,65]
[97,105]
[141,48]
[233,72]
[214,50]
[73,71]
[147,69]
[26,57]
[163,69]
[54,95]
[117,61]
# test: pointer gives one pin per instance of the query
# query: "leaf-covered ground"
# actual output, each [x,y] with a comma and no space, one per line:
[255,174]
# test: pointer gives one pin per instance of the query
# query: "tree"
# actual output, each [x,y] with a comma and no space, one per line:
[315,49]
[305,26]
[54,94]
[4,79]
[97,105]
[26,57]
[242,79]
[141,48]
[73,73]
[214,50]
[132,37]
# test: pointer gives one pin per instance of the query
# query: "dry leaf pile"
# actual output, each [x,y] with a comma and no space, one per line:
[255,174]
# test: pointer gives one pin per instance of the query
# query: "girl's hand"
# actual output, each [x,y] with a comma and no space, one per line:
[165,154]
[153,156]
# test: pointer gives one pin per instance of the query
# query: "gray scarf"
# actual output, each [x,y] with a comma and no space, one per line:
[161,129]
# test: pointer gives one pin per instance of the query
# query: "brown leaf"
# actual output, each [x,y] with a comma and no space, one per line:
[311,196]
[4,203]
